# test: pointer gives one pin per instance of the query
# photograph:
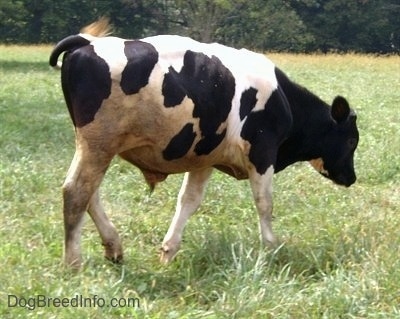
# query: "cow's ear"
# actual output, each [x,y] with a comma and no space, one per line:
[340,109]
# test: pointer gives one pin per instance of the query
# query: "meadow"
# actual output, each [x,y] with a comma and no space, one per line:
[339,252]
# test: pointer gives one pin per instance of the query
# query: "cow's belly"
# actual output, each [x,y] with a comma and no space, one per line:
[151,162]
[151,159]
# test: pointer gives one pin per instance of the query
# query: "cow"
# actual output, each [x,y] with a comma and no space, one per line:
[169,104]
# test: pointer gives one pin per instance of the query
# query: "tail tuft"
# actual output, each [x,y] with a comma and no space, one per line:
[100,28]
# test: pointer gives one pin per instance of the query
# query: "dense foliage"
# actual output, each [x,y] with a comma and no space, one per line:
[278,25]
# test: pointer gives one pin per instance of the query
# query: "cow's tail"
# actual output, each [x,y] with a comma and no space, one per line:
[100,28]
[67,44]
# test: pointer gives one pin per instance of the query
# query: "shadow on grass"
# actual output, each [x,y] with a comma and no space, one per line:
[214,262]
[23,66]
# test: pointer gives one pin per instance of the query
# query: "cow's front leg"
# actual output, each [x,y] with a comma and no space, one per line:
[261,186]
[108,233]
[189,199]
[83,178]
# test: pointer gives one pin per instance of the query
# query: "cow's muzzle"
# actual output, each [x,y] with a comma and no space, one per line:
[345,180]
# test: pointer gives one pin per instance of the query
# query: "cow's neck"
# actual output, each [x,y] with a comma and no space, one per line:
[311,120]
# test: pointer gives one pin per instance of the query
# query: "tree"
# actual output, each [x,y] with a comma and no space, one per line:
[13,17]
[261,25]
[278,25]
[200,19]
[357,25]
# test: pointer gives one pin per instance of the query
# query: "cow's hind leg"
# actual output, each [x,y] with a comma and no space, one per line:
[83,178]
[189,199]
[261,186]
[108,233]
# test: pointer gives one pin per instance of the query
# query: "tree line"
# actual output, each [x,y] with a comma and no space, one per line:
[265,25]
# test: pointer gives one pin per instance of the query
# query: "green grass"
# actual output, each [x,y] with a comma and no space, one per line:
[339,256]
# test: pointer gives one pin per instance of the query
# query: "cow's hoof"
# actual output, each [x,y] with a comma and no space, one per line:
[271,244]
[113,252]
[73,264]
[116,259]
[167,253]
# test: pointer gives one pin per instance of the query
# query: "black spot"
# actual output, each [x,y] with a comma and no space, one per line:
[206,145]
[266,129]
[86,83]
[211,87]
[172,91]
[142,57]
[247,102]
[180,143]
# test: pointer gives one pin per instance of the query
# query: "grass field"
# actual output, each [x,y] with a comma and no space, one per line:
[339,256]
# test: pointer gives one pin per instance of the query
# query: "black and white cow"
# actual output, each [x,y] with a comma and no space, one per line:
[168,104]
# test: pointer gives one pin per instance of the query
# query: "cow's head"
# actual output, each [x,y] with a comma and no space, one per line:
[338,145]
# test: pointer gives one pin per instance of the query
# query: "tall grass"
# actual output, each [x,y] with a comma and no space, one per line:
[338,256]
